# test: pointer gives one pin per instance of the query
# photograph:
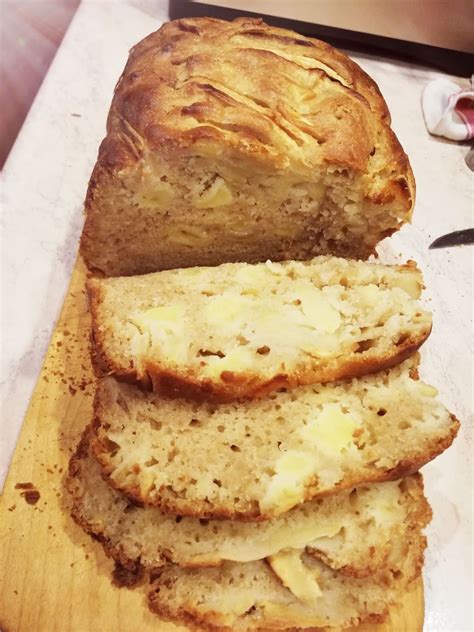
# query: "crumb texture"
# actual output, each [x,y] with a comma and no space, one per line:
[355,531]
[253,596]
[256,460]
[240,330]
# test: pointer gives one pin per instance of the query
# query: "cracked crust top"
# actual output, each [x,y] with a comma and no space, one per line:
[211,102]
[177,81]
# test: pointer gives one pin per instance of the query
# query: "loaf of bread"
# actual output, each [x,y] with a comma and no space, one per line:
[292,592]
[258,459]
[239,330]
[237,141]
[354,531]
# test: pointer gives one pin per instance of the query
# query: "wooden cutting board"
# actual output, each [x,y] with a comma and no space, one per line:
[54,578]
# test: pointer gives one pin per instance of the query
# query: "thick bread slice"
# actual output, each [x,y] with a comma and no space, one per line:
[240,597]
[278,146]
[255,460]
[353,531]
[240,331]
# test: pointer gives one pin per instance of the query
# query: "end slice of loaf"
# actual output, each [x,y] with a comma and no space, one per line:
[355,531]
[240,331]
[279,146]
[241,597]
[258,459]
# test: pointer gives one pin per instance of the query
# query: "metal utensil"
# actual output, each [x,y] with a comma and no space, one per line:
[457,238]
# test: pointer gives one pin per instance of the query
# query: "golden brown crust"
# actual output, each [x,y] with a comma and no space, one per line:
[175,101]
[132,123]
[115,552]
[98,357]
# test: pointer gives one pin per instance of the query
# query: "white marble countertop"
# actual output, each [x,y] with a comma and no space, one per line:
[43,187]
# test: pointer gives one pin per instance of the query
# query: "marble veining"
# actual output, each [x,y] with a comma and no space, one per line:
[43,187]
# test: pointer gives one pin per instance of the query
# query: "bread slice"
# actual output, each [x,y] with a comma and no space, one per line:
[277,147]
[239,330]
[304,594]
[256,460]
[353,531]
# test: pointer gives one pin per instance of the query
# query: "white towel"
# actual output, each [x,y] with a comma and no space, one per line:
[448,109]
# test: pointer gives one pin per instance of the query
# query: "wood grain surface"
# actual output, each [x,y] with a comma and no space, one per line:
[54,578]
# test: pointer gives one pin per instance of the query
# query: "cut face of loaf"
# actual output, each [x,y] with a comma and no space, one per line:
[355,531]
[292,593]
[256,460]
[279,147]
[241,331]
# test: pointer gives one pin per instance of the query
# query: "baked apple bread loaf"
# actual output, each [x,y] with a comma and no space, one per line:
[256,460]
[353,531]
[240,331]
[237,141]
